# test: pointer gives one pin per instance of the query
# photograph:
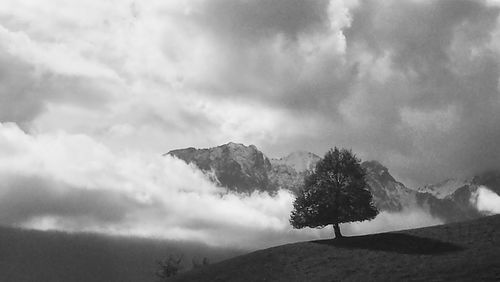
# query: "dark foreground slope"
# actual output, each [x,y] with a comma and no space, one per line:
[466,251]
[28,255]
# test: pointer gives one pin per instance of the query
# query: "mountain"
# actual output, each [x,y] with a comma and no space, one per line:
[457,189]
[236,166]
[451,199]
[246,169]
[289,172]
[465,251]
[300,161]
[388,194]
[444,188]
[453,208]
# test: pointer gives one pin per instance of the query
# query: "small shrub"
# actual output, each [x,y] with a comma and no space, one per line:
[198,264]
[169,267]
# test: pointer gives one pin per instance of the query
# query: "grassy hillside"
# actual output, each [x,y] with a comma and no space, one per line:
[467,251]
[28,255]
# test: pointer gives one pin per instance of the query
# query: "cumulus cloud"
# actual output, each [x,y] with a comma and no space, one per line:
[411,83]
[152,68]
[391,221]
[102,88]
[71,182]
[486,201]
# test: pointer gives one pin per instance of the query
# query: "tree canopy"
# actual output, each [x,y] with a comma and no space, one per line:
[335,192]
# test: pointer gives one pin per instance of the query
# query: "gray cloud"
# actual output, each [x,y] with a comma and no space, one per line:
[94,190]
[267,51]
[27,198]
[442,50]
[416,87]
[70,182]
[251,21]
[418,36]
[19,102]
[413,84]
[25,90]
[418,90]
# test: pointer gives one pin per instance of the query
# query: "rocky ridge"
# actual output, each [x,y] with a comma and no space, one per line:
[245,169]
[236,166]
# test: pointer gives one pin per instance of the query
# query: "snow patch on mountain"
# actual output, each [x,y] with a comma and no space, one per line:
[445,188]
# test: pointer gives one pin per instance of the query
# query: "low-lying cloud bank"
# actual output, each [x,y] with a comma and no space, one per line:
[486,201]
[71,182]
[105,86]
[390,221]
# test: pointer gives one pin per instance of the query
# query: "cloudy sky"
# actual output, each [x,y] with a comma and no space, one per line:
[93,92]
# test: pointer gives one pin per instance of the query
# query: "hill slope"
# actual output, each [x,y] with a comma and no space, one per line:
[29,255]
[466,251]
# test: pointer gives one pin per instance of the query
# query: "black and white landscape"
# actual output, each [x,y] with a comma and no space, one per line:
[131,131]
[247,170]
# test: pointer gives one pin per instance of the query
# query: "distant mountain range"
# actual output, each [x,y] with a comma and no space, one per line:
[245,169]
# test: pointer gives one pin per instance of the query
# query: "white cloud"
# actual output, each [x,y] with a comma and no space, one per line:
[143,65]
[106,87]
[439,120]
[252,71]
[54,57]
[71,182]
[391,221]
[486,201]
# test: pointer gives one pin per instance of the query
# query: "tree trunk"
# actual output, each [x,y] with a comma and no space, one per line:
[336,229]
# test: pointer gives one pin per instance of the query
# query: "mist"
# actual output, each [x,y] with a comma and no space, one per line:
[392,221]
[486,201]
[73,183]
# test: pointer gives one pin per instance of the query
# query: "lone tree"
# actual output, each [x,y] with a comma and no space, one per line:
[335,192]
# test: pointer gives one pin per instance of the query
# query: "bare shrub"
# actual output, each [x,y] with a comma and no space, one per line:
[169,266]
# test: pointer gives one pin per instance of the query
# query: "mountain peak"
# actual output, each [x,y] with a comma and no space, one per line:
[299,160]
[238,145]
[374,165]
[245,169]
[236,166]
[448,187]
[376,168]
[445,188]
